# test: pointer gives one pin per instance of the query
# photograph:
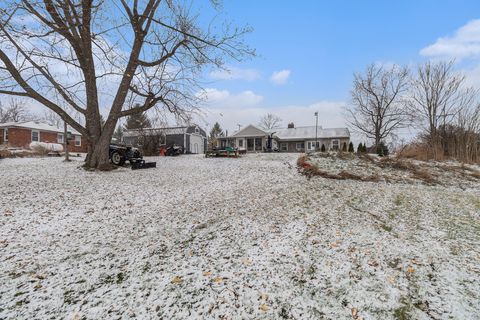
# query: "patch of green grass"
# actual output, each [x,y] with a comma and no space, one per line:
[399,200]
[386,227]
[21,302]
[394,263]
[120,277]
[69,297]
[402,313]
[146,267]
[476,202]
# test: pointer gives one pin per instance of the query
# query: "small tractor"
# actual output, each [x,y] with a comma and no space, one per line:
[120,153]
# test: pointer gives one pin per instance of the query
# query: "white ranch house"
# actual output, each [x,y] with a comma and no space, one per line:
[292,139]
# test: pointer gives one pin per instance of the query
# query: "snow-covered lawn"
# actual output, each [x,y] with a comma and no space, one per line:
[245,238]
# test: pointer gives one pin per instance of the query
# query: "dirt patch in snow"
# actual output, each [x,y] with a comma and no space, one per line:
[349,166]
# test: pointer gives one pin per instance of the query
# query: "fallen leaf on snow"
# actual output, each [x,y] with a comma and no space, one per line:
[334,245]
[247,262]
[177,280]
[410,270]
[77,316]
[39,276]
[263,307]
[373,263]
[218,280]
[354,313]
[207,273]
[264,296]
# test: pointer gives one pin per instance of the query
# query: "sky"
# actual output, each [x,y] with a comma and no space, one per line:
[307,52]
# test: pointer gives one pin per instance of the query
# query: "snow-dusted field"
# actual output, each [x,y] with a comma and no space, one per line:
[241,238]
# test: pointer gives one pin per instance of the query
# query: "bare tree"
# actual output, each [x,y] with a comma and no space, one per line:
[4,117]
[14,112]
[438,95]
[52,118]
[269,121]
[378,108]
[74,56]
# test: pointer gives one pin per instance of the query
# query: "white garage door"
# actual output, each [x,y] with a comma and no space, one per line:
[196,144]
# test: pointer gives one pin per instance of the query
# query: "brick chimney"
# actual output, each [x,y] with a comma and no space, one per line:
[291,125]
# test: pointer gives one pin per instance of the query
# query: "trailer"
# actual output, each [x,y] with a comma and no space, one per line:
[224,153]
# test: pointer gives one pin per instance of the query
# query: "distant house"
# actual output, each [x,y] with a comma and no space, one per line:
[193,139]
[291,139]
[21,134]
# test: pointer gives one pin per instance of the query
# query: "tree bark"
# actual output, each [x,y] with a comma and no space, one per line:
[98,155]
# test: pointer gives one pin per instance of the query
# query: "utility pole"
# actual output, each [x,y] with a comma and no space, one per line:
[65,141]
[239,126]
[316,131]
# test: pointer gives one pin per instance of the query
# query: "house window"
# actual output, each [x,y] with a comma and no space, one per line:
[78,141]
[60,138]
[258,144]
[283,146]
[35,136]
[335,144]
[5,135]
[240,143]
[311,145]
[300,145]
[197,130]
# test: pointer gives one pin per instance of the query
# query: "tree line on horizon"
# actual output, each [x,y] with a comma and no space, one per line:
[434,100]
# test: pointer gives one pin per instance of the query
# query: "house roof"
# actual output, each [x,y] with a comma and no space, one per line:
[299,133]
[249,131]
[156,131]
[36,125]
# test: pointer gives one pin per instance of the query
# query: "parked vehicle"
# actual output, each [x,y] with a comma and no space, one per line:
[120,153]
[174,150]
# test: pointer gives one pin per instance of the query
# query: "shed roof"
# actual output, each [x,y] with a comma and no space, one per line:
[158,131]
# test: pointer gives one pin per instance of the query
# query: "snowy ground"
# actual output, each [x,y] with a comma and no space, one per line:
[232,239]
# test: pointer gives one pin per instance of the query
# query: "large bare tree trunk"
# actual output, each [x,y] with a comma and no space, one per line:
[97,156]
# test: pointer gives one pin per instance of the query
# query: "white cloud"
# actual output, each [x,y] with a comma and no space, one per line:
[223,99]
[280,77]
[464,43]
[233,73]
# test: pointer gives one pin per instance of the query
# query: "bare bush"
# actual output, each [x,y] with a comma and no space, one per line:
[448,112]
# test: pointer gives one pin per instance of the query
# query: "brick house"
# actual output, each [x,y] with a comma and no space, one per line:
[291,139]
[21,134]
